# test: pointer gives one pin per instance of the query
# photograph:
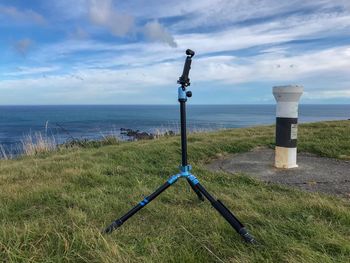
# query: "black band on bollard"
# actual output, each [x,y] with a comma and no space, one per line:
[286,132]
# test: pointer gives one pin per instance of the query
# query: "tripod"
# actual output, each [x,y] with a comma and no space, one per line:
[185,169]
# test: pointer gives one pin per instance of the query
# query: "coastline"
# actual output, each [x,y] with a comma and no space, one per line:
[37,143]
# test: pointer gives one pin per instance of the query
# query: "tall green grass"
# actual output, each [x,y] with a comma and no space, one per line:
[54,205]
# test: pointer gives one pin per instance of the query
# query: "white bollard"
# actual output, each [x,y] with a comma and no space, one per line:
[287,98]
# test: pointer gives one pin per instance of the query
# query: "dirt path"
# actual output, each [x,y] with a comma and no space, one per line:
[314,173]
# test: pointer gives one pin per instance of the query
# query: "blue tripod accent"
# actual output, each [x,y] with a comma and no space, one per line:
[185,173]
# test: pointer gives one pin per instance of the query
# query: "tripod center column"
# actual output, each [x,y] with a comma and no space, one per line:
[182,100]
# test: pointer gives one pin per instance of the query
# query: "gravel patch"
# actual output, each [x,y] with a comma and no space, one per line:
[314,174]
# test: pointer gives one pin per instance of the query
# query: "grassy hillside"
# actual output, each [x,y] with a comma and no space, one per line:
[54,206]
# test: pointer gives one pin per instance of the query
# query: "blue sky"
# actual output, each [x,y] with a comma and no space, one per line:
[132,52]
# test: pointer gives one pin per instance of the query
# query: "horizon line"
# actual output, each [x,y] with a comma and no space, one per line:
[225,104]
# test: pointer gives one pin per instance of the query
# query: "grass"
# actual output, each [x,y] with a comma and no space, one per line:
[38,143]
[54,205]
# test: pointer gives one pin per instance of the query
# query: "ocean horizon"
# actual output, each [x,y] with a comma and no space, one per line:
[93,122]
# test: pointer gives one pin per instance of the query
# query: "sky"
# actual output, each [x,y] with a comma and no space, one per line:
[132,52]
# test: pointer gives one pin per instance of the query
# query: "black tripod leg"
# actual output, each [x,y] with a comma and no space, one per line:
[196,190]
[117,223]
[227,214]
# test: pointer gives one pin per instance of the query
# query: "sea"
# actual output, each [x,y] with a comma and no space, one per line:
[93,122]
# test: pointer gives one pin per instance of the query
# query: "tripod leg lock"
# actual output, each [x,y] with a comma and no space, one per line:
[193,179]
[144,202]
[173,179]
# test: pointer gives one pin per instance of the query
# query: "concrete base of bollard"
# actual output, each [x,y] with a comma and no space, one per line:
[285,158]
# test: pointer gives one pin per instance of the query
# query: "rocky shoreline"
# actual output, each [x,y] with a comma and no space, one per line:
[139,135]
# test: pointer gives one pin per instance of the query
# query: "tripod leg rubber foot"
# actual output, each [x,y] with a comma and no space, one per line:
[109,229]
[247,237]
[112,226]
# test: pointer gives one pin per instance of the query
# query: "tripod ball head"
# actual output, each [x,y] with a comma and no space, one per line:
[190,52]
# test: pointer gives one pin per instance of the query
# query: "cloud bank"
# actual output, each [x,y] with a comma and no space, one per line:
[103,13]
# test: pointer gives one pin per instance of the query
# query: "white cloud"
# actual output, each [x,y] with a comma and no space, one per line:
[23,16]
[103,13]
[278,68]
[154,31]
[210,13]
[327,94]
[92,85]
[109,15]
[281,31]
[20,71]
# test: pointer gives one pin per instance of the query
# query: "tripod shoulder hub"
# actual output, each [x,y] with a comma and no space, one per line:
[185,170]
